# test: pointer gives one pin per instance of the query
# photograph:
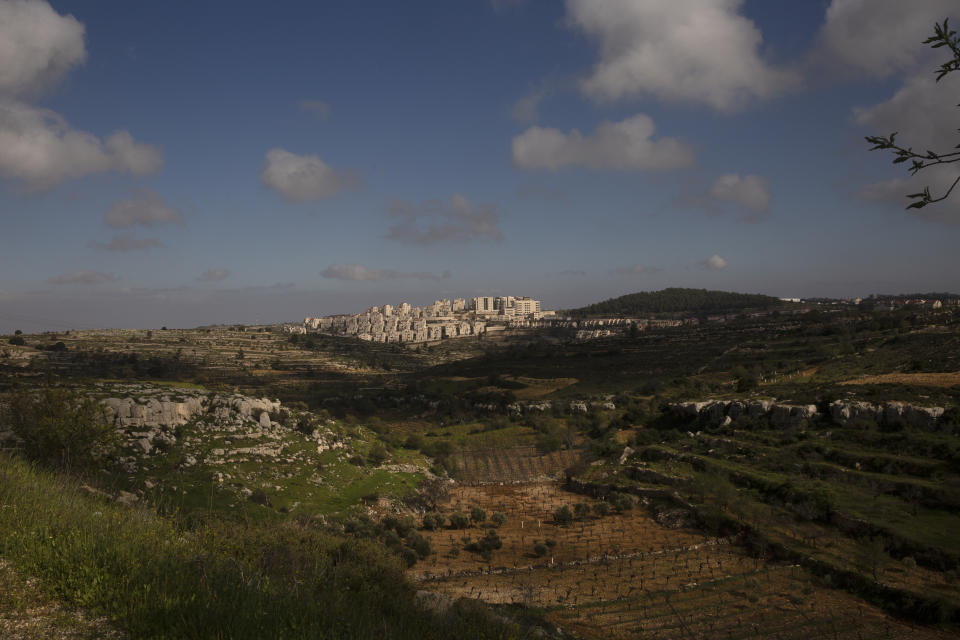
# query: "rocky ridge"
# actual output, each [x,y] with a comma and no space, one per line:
[842,412]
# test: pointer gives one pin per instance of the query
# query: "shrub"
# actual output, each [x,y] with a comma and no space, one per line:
[433,521]
[62,428]
[477,515]
[378,455]
[414,441]
[17,341]
[601,509]
[563,515]
[581,510]
[420,544]
[259,496]
[405,526]
[459,521]
[540,549]
[305,425]
[409,556]
[621,502]
[498,519]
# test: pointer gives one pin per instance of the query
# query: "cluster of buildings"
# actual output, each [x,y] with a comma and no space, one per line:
[442,319]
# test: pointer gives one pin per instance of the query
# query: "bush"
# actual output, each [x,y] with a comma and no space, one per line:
[540,549]
[62,428]
[498,519]
[414,441]
[409,556]
[601,509]
[621,502]
[485,545]
[459,521]
[378,455]
[563,515]
[432,521]
[581,510]
[305,425]
[420,544]
[17,341]
[477,515]
[259,496]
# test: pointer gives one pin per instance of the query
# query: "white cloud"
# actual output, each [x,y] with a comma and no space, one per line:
[302,178]
[879,37]
[358,272]
[749,192]
[714,263]
[627,145]
[636,269]
[83,276]
[319,108]
[145,208]
[213,275]
[457,220]
[39,148]
[126,242]
[924,114]
[922,111]
[699,51]
[37,46]
[527,108]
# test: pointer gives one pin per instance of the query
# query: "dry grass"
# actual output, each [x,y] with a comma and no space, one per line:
[539,387]
[27,613]
[944,380]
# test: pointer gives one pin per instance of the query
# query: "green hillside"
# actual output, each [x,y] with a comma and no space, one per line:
[677,300]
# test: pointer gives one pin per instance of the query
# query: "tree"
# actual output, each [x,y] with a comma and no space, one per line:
[872,555]
[459,521]
[498,519]
[477,515]
[563,515]
[943,37]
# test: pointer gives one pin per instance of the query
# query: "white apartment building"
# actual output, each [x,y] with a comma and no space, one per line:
[483,304]
[525,306]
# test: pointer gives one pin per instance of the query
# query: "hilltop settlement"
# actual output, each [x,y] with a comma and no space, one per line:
[442,319]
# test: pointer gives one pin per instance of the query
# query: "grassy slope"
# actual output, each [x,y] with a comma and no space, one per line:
[158,580]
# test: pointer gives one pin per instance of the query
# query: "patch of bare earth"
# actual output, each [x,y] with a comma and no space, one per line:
[27,613]
[917,379]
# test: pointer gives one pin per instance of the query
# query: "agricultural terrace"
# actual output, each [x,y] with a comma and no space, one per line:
[625,574]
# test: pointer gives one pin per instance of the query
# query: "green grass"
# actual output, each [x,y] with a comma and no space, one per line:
[156,579]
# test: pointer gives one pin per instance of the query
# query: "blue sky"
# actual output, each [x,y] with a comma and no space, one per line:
[187,163]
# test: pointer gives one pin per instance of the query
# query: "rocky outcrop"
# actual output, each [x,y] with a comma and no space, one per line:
[842,412]
[153,412]
[892,413]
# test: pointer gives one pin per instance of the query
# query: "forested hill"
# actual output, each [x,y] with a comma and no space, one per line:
[677,300]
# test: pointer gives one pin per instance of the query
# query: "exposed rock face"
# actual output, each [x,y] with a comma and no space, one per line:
[153,412]
[892,413]
[843,412]
[149,417]
[578,407]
